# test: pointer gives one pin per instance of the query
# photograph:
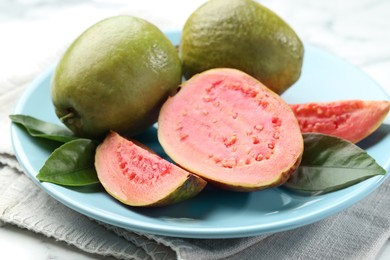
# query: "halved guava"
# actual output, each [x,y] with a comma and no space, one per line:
[230,129]
[352,120]
[137,177]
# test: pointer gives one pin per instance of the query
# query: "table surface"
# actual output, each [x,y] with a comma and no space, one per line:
[37,32]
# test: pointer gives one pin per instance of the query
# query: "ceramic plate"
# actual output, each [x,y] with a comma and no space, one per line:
[216,213]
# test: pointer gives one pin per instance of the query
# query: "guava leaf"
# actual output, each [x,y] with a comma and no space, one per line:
[71,164]
[38,128]
[331,163]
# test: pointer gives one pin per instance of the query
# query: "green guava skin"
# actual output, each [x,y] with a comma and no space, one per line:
[244,35]
[115,76]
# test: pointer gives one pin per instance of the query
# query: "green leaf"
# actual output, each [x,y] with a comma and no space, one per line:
[42,129]
[330,163]
[71,164]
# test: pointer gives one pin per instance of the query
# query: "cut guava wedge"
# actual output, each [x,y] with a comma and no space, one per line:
[352,120]
[138,177]
[231,130]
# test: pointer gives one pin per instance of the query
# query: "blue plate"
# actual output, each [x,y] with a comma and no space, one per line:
[215,213]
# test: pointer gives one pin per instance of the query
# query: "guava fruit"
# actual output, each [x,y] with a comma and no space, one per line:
[115,75]
[138,177]
[230,129]
[352,120]
[245,35]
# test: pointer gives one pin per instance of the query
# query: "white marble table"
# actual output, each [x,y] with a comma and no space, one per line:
[34,33]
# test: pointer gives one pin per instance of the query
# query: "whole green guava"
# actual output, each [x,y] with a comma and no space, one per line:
[115,76]
[245,35]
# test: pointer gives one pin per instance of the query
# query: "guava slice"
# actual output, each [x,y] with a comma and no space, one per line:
[352,120]
[138,177]
[230,129]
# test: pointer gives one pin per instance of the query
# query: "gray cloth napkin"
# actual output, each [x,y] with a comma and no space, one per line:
[358,232]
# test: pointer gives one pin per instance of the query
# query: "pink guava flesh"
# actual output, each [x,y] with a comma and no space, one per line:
[138,177]
[230,129]
[352,120]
